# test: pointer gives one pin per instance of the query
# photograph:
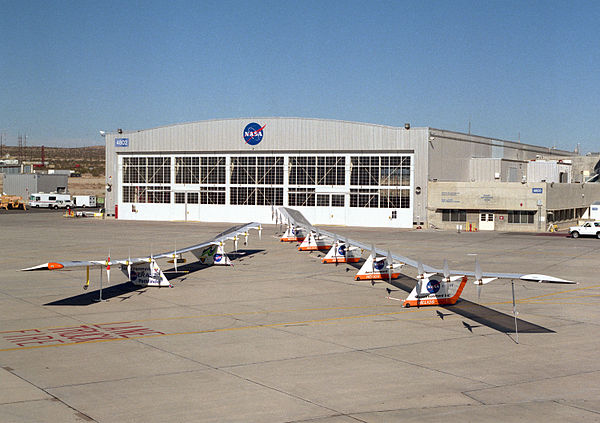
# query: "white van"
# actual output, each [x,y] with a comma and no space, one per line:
[52,200]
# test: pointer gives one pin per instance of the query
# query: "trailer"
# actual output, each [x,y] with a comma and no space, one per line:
[84,200]
[52,200]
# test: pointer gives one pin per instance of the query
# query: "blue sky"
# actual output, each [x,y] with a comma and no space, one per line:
[531,68]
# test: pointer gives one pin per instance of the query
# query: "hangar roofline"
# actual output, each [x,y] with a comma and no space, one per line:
[268,117]
[463,135]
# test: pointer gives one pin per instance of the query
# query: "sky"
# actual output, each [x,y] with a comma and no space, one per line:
[514,70]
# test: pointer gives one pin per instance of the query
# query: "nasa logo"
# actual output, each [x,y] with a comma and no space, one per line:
[342,250]
[217,258]
[134,275]
[253,133]
[433,286]
[378,265]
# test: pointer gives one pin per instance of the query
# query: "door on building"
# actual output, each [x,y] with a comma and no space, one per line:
[486,221]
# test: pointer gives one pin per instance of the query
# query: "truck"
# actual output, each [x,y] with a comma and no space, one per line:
[52,200]
[587,229]
[84,200]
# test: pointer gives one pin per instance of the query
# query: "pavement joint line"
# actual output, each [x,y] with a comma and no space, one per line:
[260,326]
[245,313]
[52,397]
[546,295]
[575,406]
[524,382]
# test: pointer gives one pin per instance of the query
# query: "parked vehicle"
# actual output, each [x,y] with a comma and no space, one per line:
[587,229]
[52,200]
[84,200]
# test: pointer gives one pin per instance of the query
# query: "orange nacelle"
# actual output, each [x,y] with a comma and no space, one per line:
[54,266]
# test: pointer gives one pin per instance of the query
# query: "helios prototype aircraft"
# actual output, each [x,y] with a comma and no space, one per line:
[382,264]
[144,271]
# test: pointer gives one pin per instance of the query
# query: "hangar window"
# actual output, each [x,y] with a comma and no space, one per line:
[364,198]
[146,194]
[323,200]
[180,198]
[211,195]
[520,216]
[382,171]
[325,170]
[192,198]
[252,196]
[394,198]
[257,170]
[301,196]
[141,170]
[337,200]
[454,215]
[212,170]
[269,196]
[187,170]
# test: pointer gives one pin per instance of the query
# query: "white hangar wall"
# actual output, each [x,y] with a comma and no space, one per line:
[366,203]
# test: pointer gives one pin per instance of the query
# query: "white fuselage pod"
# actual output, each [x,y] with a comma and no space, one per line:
[213,255]
[146,274]
[293,235]
[377,268]
[314,243]
[340,253]
[435,291]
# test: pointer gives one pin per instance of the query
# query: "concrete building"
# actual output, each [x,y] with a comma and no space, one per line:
[335,172]
[26,184]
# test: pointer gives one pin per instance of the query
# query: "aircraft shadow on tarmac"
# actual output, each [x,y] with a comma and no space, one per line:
[483,315]
[122,289]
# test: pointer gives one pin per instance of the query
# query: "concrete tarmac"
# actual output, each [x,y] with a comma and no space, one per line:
[280,337]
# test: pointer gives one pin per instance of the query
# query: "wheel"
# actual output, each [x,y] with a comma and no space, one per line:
[598,235]
[575,234]
[55,207]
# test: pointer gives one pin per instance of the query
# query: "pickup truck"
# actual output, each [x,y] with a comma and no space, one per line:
[587,229]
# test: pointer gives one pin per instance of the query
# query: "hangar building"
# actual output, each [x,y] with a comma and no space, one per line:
[335,172]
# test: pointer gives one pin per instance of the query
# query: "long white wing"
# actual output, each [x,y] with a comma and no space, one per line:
[297,219]
[229,234]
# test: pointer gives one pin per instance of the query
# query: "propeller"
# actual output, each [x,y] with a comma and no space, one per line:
[420,277]
[245,238]
[129,265]
[235,243]
[259,232]
[390,266]
[336,249]
[108,268]
[479,279]
[175,258]
[373,256]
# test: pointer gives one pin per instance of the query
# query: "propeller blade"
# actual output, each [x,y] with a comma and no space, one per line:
[235,242]
[478,293]
[390,266]
[108,269]
[478,272]
[129,265]
[420,269]
[259,232]
[446,271]
[246,238]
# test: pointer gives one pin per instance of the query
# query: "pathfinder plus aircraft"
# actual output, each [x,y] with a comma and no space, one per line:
[144,271]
